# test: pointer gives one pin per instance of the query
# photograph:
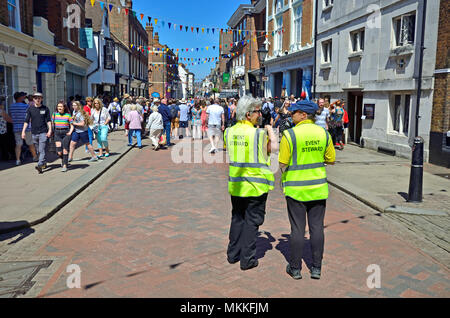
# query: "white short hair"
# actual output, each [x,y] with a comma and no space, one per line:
[245,105]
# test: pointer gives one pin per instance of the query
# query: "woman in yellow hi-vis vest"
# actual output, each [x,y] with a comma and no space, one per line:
[304,151]
[249,181]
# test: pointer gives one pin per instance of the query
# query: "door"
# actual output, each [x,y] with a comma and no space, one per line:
[354,110]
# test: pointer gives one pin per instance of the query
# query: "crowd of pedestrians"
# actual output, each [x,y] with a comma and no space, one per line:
[81,122]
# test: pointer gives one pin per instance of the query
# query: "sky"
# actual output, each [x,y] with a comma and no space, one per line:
[194,13]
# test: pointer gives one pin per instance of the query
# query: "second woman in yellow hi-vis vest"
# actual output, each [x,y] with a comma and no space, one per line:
[304,151]
[250,180]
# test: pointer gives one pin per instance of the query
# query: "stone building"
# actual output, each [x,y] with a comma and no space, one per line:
[368,55]
[289,63]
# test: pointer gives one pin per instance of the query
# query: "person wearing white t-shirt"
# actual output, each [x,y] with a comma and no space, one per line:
[216,124]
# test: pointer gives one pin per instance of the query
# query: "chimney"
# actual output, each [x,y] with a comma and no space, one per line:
[156,38]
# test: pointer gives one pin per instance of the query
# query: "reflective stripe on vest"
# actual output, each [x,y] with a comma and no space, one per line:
[305,178]
[249,175]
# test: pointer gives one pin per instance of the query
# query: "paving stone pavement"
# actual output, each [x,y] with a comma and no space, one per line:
[160,229]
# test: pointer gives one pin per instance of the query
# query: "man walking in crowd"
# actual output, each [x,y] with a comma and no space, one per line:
[322,114]
[175,115]
[250,180]
[216,124]
[165,113]
[304,182]
[18,113]
[184,118]
[114,110]
[41,128]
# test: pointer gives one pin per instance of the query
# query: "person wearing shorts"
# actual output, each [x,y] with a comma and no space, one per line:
[63,128]
[18,112]
[81,121]
[216,124]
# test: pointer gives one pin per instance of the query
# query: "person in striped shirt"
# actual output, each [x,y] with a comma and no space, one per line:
[18,112]
[63,128]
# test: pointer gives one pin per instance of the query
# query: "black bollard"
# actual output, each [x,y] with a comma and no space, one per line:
[416,177]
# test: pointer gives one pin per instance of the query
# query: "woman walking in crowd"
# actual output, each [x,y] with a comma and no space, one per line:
[203,117]
[63,128]
[87,108]
[155,125]
[134,120]
[335,124]
[100,119]
[114,111]
[197,121]
[81,123]
[283,117]
[232,114]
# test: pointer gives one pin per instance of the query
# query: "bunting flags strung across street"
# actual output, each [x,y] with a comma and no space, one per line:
[120,9]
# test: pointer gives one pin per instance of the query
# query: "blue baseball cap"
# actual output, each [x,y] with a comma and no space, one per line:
[304,106]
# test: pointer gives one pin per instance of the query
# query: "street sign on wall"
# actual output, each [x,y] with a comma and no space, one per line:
[226,77]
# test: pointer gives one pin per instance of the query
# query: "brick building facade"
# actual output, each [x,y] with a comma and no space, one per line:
[440,120]
[127,28]
[289,63]
[248,24]
[162,66]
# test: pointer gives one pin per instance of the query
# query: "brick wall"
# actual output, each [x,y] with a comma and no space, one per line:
[54,11]
[307,22]
[287,30]
[26,16]
[4,19]
[270,30]
[440,121]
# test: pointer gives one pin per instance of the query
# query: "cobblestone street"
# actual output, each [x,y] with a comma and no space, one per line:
[159,229]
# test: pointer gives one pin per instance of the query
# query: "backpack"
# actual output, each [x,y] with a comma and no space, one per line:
[173,111]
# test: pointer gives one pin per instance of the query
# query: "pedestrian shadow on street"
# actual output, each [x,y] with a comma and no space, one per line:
[263,244]
[71,167]
[23,233]
[284,247]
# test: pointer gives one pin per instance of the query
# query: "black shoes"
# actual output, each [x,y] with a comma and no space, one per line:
[39,169]
[294,273]
[232,261]
[250,267]
[315,273]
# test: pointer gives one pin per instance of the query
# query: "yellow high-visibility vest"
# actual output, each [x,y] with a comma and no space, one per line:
[305,179]
[250,174]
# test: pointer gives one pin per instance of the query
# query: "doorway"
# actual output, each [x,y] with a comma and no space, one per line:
[355,111]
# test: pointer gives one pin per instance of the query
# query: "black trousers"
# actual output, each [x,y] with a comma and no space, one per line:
[297,217]
[247,216]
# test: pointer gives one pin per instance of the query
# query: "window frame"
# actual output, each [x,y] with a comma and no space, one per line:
[326,51]
[359,40]
[298,20]
[399,32]
[400,111]
[17,21]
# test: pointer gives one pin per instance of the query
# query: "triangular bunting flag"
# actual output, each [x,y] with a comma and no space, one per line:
[102,6]
[197,30]
[192,28]
[149,20]
[142,17]
[92,2]
[126,11]
[213,30]
[169,24]
[156,21]
[162,22]
[110,7]
[118,9]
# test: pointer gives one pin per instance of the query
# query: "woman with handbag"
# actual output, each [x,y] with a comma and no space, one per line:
[134,120]
[100,118]
[62,131]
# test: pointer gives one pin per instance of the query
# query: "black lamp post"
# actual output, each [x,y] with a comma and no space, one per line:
[262,54]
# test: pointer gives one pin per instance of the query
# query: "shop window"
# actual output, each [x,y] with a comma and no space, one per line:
[6,85]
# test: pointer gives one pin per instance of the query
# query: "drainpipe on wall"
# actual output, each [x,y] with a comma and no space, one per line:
[315,47]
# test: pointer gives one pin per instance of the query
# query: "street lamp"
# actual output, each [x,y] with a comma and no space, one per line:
[262,54]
